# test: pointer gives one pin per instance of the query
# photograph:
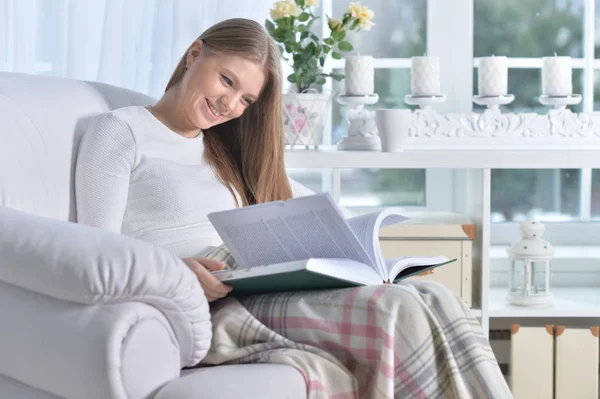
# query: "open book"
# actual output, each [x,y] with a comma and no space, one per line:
[305,243]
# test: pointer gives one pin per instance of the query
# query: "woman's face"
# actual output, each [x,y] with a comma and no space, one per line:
[216,89]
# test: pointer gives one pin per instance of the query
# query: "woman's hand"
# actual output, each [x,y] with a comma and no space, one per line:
[213,288]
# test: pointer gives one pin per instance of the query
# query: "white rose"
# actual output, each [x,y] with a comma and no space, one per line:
[285,8]
[311,3]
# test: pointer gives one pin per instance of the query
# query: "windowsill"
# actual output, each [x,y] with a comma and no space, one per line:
[580,302]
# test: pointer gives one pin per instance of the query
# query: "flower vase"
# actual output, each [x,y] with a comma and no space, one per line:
[304,118]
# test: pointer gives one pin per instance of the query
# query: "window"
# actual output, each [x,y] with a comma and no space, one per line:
[525,31]
[400,33]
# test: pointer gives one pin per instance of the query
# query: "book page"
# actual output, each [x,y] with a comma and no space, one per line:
[286,231]
[400,268]
[366,228]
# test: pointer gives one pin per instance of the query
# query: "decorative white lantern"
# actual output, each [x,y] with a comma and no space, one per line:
[530,267]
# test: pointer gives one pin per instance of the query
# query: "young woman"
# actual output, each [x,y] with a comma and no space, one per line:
[214,141]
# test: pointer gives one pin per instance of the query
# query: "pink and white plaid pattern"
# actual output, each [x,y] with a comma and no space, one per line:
[410,340]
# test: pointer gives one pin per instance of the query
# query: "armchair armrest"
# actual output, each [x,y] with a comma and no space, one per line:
[124,350]
[89,266]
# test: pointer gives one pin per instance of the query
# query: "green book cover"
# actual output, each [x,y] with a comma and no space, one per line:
[300,276]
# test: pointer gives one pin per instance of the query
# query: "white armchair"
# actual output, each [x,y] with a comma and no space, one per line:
[87,313]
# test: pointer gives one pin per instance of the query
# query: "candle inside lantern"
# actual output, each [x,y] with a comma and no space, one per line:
[556,76]
[360,79]
[425,76]
[493,76]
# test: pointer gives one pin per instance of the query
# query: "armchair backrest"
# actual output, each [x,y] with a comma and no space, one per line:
[41,121]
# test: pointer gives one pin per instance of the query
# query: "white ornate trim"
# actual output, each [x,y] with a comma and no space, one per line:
[490,129]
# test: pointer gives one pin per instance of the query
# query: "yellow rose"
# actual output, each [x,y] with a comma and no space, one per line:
[335,24]
[311,3]
[354,9]
[285,8]
[365,15]
[365,24]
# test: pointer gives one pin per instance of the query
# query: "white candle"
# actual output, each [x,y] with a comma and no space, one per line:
[493,76]
[360,75]
[556,76]
[425,76]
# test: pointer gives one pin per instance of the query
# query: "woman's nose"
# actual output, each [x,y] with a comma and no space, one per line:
[229,104]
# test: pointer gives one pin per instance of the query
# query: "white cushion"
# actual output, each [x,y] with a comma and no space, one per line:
[87,265]
[10,388]
[247,381]
[41,120]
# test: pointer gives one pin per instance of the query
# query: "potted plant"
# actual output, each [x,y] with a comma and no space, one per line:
[291,25]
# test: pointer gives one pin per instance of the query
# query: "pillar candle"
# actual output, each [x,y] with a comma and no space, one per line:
[556,76]
[493,76]
[425,76]
[360,75]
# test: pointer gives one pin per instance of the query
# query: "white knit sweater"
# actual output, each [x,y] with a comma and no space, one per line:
[136,176]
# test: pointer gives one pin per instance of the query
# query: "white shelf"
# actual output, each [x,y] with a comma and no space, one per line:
[562,252]
[329,157]
[581,302]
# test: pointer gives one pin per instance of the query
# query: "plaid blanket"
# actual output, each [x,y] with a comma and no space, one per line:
[409,340]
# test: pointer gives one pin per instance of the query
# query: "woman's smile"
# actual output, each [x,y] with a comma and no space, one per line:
[211,110]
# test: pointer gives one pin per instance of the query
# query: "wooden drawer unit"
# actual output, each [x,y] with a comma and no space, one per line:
[452,241]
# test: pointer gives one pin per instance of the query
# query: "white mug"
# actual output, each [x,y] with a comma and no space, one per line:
[393,126]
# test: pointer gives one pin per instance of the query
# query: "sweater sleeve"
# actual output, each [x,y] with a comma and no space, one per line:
[103,168]
[299,190]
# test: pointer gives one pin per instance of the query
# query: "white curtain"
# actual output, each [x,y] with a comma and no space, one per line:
[128,43]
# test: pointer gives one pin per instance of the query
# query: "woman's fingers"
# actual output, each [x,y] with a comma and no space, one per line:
[211,264]
[213,288]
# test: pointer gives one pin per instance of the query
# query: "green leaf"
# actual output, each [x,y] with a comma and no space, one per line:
[322,61]
[303,17]
[302,29]
[337,76]
[270,27]
[300,3]
[321,81]
[297,59]
[345,46]
[354,25]
[329,41]
[291,78]
[336,55]
[326,48]
[339,35]
[317,51]
[304,35]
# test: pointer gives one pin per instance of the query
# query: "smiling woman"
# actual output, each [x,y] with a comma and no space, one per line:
[215,88]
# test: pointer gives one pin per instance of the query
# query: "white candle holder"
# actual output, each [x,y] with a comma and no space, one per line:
[530,274]
[425,102]
[560,102]
[493,102]
[362,132]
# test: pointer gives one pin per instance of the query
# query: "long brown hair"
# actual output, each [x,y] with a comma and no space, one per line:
[247,153]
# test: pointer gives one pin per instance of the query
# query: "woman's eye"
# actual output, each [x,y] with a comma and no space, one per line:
[248,101]
[227,80]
